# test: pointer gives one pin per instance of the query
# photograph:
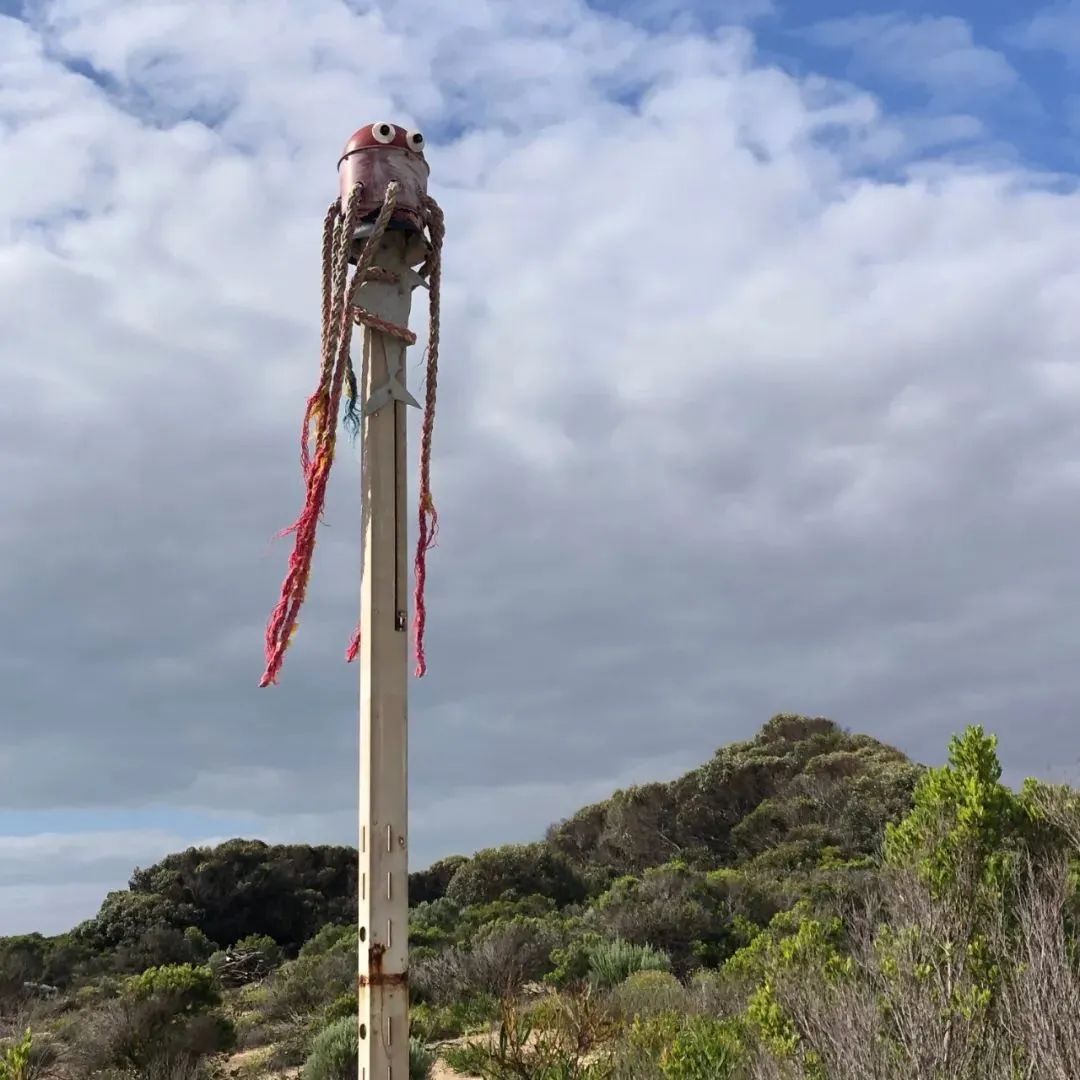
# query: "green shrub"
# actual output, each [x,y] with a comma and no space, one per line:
[421,1060]
[557,1039]
[249,887]
[334,1052]
[189,988]
[500,960]
[710,992]
[328,937]
[164,1017]
[571,962]
[516,871]
[672,908]
[612,962]
[430,884]
[95,993]
[199,946]
[640,1049]
[463,1017]
[648,993]
[433,924]
[705,1049]
[346,1004]
[15,1059]
[318,976]
[475,917]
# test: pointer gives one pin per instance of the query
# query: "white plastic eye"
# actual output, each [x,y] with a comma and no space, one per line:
[383,133]
[415,140]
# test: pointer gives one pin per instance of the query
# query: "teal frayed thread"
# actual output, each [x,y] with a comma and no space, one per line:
[352,417]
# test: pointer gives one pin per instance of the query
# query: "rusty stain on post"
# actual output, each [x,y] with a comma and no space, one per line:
[376,976]
[384,978]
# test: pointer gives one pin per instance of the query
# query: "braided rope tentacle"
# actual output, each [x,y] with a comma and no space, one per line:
[403,333]
[428,523]
[337,242]
[337,376]
[322,409]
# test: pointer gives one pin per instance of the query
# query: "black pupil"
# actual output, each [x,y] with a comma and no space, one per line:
[418,138]
[384,130]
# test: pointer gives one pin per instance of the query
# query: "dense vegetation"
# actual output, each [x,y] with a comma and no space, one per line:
[809,904]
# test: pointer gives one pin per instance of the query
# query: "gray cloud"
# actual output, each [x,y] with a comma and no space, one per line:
[727,426]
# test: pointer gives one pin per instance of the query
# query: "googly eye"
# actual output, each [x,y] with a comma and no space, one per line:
[415,140]
[383,133]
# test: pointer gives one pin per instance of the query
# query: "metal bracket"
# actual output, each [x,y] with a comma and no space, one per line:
[393,389]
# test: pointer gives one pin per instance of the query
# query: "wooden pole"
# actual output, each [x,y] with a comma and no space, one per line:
[383,909]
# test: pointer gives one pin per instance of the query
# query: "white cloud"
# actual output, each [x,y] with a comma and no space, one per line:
[49,909]
[1054,27]
[668,14]
[740,411]
[51,881]
[937,52]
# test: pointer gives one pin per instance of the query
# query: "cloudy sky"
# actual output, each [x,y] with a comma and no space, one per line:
[759,392]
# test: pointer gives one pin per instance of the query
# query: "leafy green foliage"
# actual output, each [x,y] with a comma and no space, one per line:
[739,922]
[550,1042]
[32,958]
[461,1017]
[15,1058]
[434,923]
[344,1005]
[190,989]
[135,931]
[421,1060]
[691,915]
[323,971]
[962,821]
[612,962]
[246,887]
[706,1048]
[334,1052]
[331,937]
[426,886]
[808,771]
[502,957]
[514,872]
[164,1016]
[648,993]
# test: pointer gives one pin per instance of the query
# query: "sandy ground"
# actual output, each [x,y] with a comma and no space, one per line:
[244,1060]
[243,1064]
[442,1071]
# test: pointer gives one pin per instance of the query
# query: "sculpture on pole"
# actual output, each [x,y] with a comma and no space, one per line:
[383,188]
[386,225]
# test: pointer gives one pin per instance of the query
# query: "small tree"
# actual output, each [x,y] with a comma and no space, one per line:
[964,825]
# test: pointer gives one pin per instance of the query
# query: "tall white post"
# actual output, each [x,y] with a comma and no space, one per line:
[384,655]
